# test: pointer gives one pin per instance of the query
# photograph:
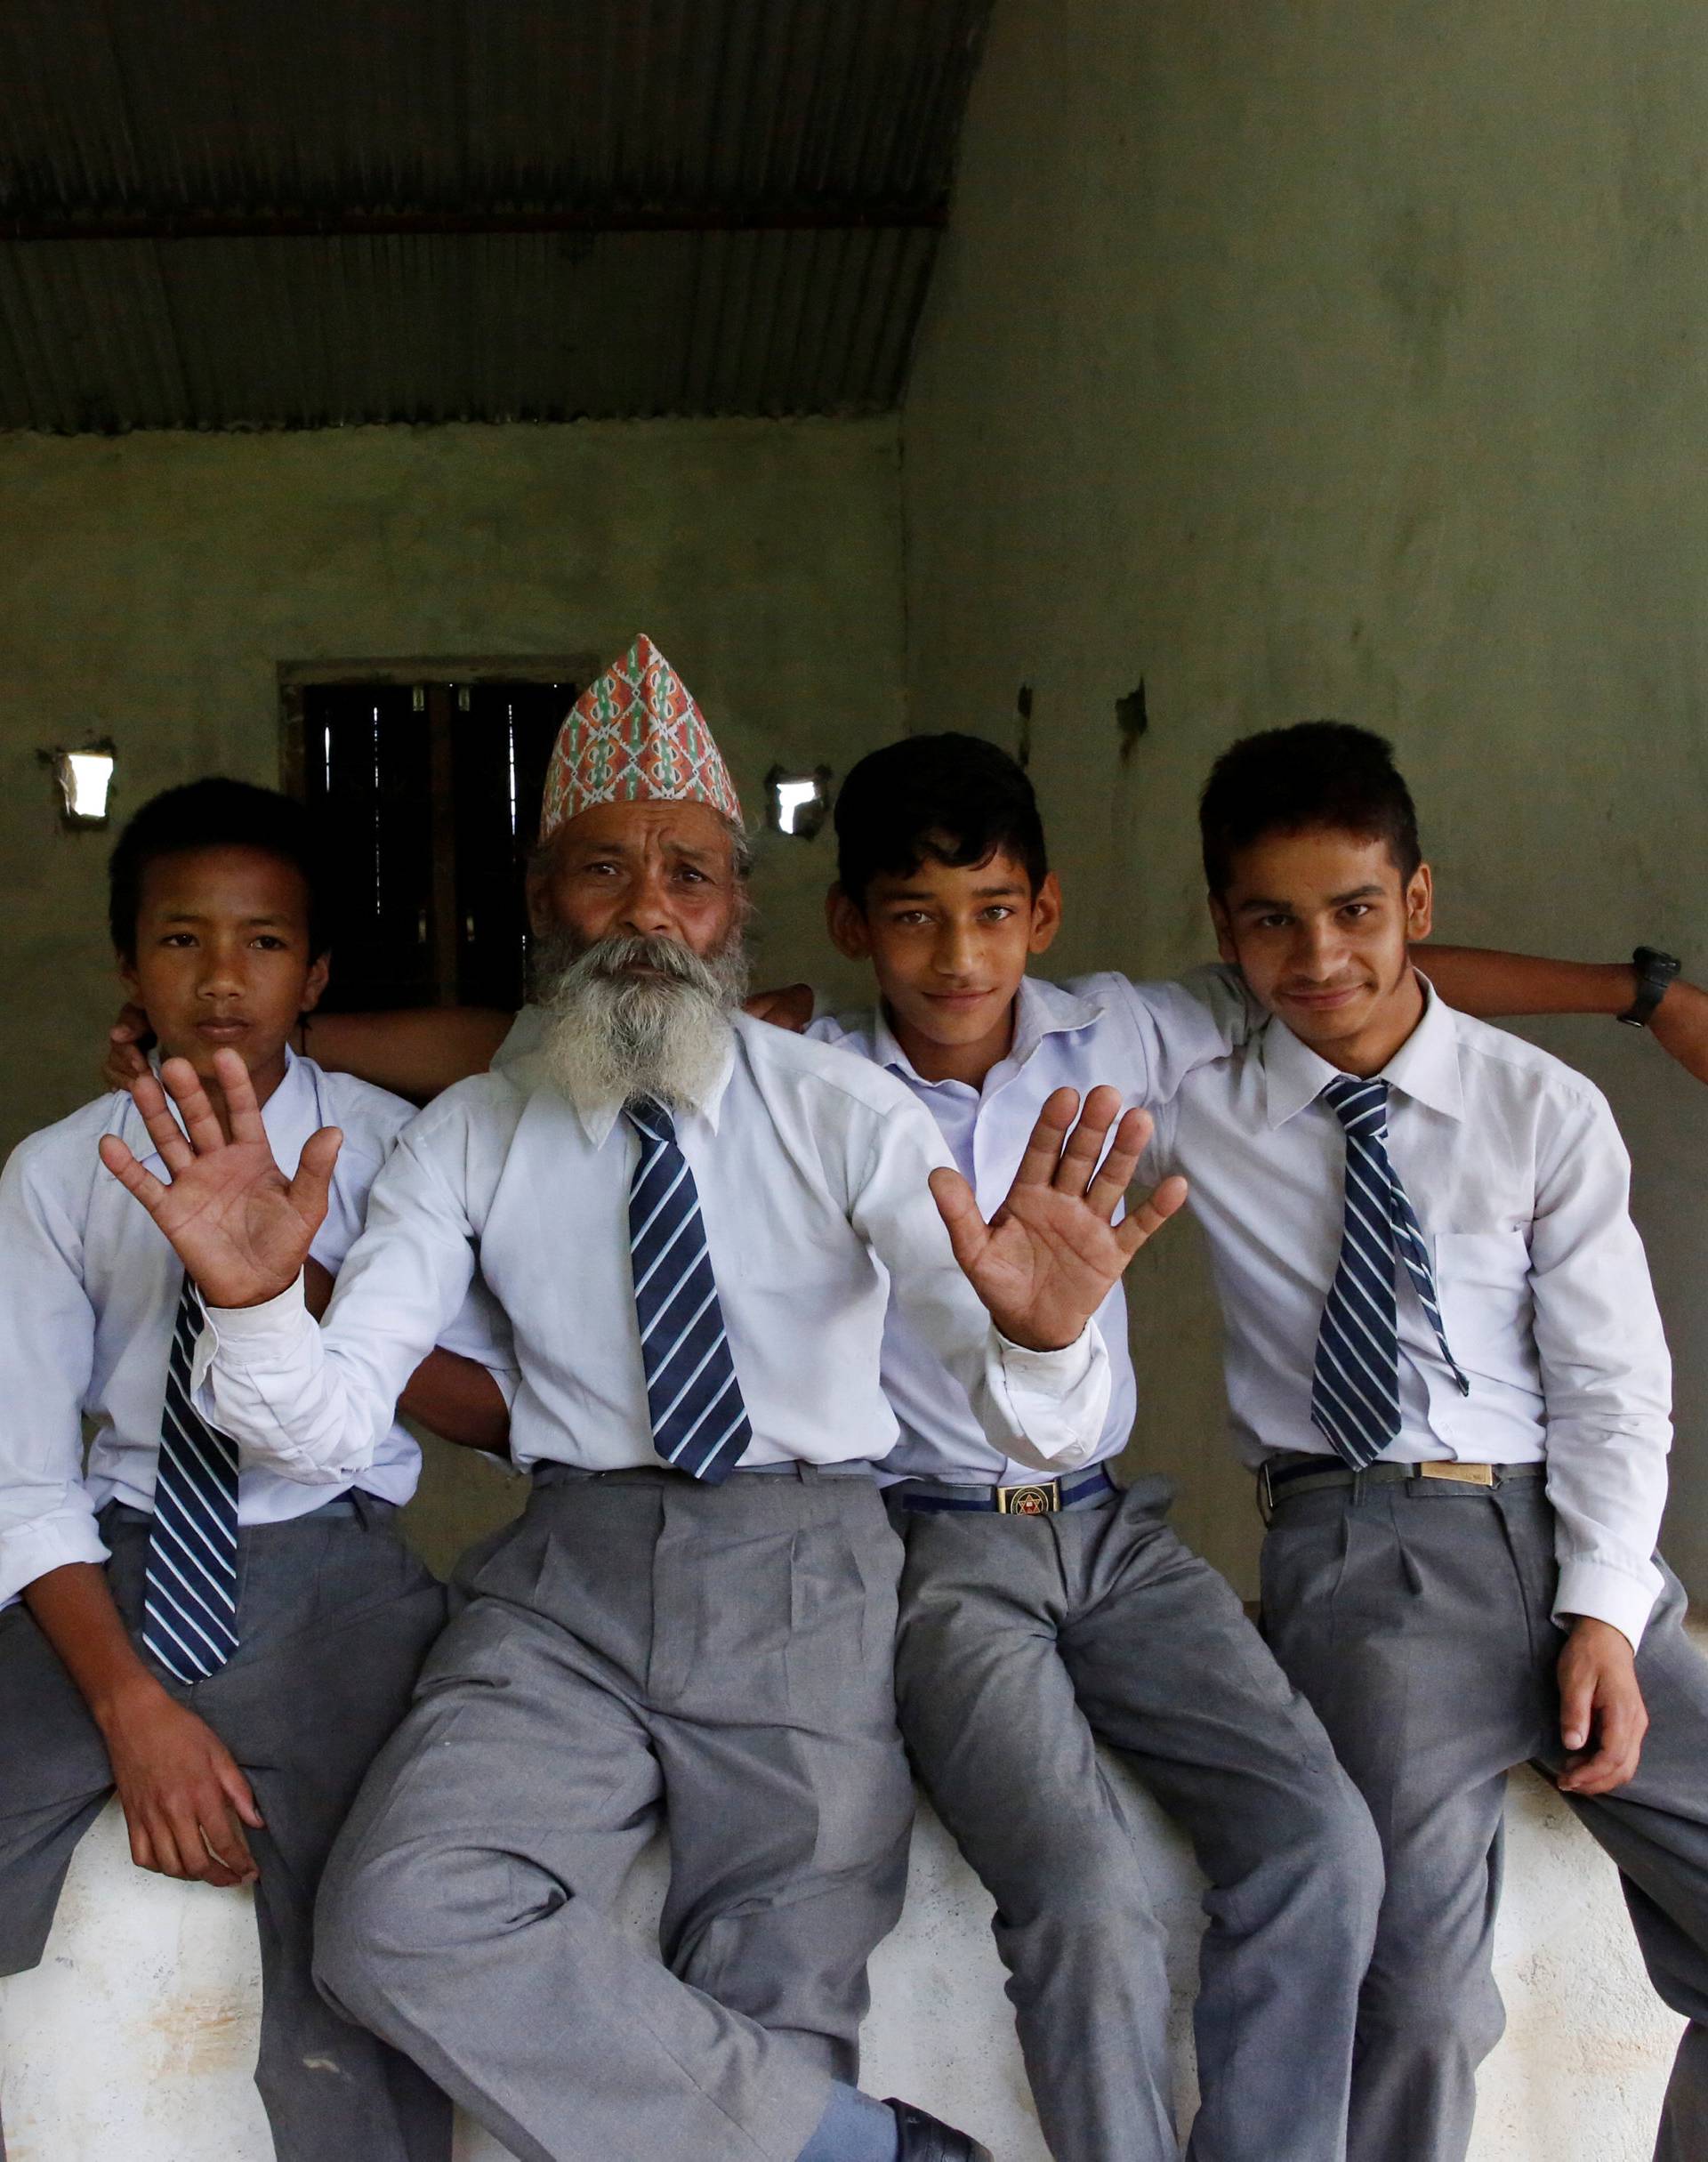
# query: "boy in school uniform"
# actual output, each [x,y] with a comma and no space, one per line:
[226,1648]
[1445,1363]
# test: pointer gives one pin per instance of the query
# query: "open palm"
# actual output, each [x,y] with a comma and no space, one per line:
[1050,1254]
[239,1226]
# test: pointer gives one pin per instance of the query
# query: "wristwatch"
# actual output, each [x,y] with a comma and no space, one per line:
[1655,971]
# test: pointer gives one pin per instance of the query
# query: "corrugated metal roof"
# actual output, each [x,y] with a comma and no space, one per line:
[335,211]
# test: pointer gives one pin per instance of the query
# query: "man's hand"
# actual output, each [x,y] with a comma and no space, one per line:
[124,1059]
[1679,1024]
[788,1007]
[1602,1716]
[184,1799]
[240,1227]
[1050,1254]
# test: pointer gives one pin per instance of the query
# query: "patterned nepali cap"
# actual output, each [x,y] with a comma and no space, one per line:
[636,735]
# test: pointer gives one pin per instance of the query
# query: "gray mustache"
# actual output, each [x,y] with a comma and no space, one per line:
[620,954]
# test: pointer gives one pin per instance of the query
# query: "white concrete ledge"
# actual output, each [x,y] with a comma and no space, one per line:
[136,2036]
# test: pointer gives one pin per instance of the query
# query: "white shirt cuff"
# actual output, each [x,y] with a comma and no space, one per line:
[1058,1369]
[1056,1401]
[1606,1594]
[30,1550]
[273,1321]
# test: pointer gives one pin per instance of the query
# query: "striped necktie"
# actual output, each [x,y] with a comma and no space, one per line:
[190,1605]
[1354,1389]
[699,1423]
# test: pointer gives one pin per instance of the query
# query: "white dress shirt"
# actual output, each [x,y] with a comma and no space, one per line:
[1142,1038]
[89,1293]
[1520,1182]
[812,1167]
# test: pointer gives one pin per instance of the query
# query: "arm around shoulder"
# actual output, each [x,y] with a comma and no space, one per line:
[1497,986]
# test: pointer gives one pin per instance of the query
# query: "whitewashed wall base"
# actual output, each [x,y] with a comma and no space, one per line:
[136,2038]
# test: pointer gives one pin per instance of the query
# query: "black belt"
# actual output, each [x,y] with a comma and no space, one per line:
[1284,1478]
[549,1471]
[1037,1497]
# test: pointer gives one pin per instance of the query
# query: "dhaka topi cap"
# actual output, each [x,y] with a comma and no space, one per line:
[636,735]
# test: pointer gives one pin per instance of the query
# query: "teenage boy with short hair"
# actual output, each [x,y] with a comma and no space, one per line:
[1445,1362]
[226,1648]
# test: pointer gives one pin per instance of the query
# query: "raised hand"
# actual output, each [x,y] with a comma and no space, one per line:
[1049,1257]
[240,1227]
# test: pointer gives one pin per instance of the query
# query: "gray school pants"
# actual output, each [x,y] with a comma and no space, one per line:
[1023,1641]
[1416,1617]
[333,1617]
[638,1645]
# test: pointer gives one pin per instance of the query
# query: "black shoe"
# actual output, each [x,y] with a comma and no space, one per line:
[926,2139]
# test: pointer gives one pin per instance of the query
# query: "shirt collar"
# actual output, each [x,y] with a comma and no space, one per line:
[1425,1068]
[597,1123]
[1040,1009]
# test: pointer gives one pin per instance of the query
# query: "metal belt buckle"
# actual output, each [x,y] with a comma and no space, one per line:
[1265,1491]
[1043,1499]
[1465,1474]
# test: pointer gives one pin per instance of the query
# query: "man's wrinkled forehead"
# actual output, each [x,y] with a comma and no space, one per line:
[686,832]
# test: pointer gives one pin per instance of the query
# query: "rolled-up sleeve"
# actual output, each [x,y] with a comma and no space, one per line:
[1045,1408]
[1605,1373]
[47,1334]
[314,1403]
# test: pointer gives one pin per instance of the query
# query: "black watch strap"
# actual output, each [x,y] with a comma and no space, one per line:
[1655,971]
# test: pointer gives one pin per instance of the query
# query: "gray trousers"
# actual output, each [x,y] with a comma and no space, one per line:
[333,1617]
[1416,1618]
[1023,1641]
[636,1644]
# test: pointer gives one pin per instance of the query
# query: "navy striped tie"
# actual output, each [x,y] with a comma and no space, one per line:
[699,1423]
[190,1604]
[1355,1390]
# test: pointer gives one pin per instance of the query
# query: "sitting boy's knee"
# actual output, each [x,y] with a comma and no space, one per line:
[414,1904]
[1430,2005]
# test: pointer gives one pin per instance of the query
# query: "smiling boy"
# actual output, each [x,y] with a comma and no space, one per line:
[226,1648]
[1445,1362]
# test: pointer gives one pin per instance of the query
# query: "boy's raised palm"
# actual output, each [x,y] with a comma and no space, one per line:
[1051,1253]
[240,1227]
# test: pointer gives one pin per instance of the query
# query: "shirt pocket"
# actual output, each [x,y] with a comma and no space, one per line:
[1483,1287]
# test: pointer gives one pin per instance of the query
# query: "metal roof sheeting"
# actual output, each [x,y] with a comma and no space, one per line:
[313,214]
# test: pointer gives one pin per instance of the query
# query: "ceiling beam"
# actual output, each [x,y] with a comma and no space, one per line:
[123,223]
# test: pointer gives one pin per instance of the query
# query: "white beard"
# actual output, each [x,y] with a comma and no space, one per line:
[612,1035]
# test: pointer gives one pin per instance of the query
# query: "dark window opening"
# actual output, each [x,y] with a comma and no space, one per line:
[430,794]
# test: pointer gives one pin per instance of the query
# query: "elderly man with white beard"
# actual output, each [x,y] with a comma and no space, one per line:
[694,1222]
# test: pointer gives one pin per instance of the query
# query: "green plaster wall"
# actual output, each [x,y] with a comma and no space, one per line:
[150,585]
[1338,359]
